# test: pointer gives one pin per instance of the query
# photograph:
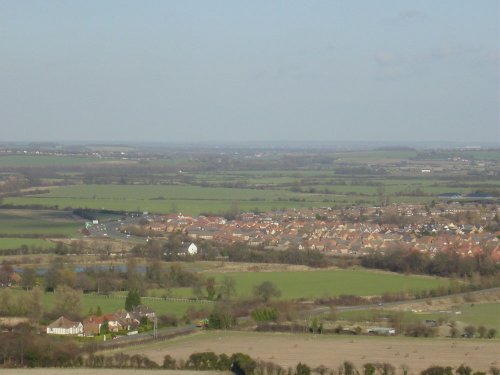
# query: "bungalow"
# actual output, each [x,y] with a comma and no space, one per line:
[63,326]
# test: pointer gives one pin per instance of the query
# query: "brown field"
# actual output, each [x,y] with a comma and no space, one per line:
[92,371]
[289,349]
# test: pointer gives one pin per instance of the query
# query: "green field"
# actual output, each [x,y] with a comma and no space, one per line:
[486,314]
[26,223]
[43,160]
[112,304]
[317,284]
[15,243]
[162,199]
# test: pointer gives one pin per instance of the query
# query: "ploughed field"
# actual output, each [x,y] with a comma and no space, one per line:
[331,351]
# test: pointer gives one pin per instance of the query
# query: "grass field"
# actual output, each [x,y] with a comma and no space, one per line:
[113,303]
[161,199]
[486,314]
[331,350]
[43,160]
[15,243]
[38,222]
[316,284]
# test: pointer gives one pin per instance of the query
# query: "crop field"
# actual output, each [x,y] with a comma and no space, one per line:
[317,284]
[47,223]
[332,350]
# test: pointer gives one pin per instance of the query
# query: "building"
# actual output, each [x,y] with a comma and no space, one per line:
[63,326]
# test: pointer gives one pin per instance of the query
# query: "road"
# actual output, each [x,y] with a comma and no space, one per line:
[327,310]
[111,229]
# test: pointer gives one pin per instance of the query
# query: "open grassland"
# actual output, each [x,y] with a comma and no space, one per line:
[34,223]
[317,284]
[315,350]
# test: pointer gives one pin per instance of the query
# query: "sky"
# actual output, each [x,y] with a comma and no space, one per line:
[250,70]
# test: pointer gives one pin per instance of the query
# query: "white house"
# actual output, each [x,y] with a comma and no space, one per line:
[63,326]
[192,249]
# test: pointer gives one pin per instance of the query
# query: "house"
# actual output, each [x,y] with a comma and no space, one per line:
[63,326]
[92,325]
[190,249]
[142,311]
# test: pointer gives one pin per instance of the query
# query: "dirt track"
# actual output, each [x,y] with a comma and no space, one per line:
[288,349]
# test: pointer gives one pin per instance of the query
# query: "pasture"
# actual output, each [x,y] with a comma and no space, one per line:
[114,302]
[329,283]
[331,350]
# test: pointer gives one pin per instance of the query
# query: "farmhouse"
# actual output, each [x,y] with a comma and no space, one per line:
[63,326]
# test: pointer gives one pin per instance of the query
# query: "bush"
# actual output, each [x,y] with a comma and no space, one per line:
[242,364]
[302,369]
[169,362]
[265,315]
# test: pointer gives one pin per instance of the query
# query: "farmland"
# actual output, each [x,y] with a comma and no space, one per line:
[210,182]
[15,243]
[38,223]
[314,350]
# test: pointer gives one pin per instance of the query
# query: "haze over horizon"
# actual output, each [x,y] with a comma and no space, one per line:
[297,71]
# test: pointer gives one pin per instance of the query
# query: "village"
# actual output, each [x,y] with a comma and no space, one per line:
[467,229]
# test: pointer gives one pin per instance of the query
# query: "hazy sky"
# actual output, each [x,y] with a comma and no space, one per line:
[249,70]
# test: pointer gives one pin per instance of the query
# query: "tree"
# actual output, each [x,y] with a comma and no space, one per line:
[463,370]
[227,288]
[266,291]
[35,307]
[221,318]
[67,302]
[169,362]
[133,299]
[302,369]
[6,271]
[28,280]
[481,331]
[7,303]
[210,288]
[469,331]
[98,312]
[134,278]
[242,364]
[105,327]
[492,332]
